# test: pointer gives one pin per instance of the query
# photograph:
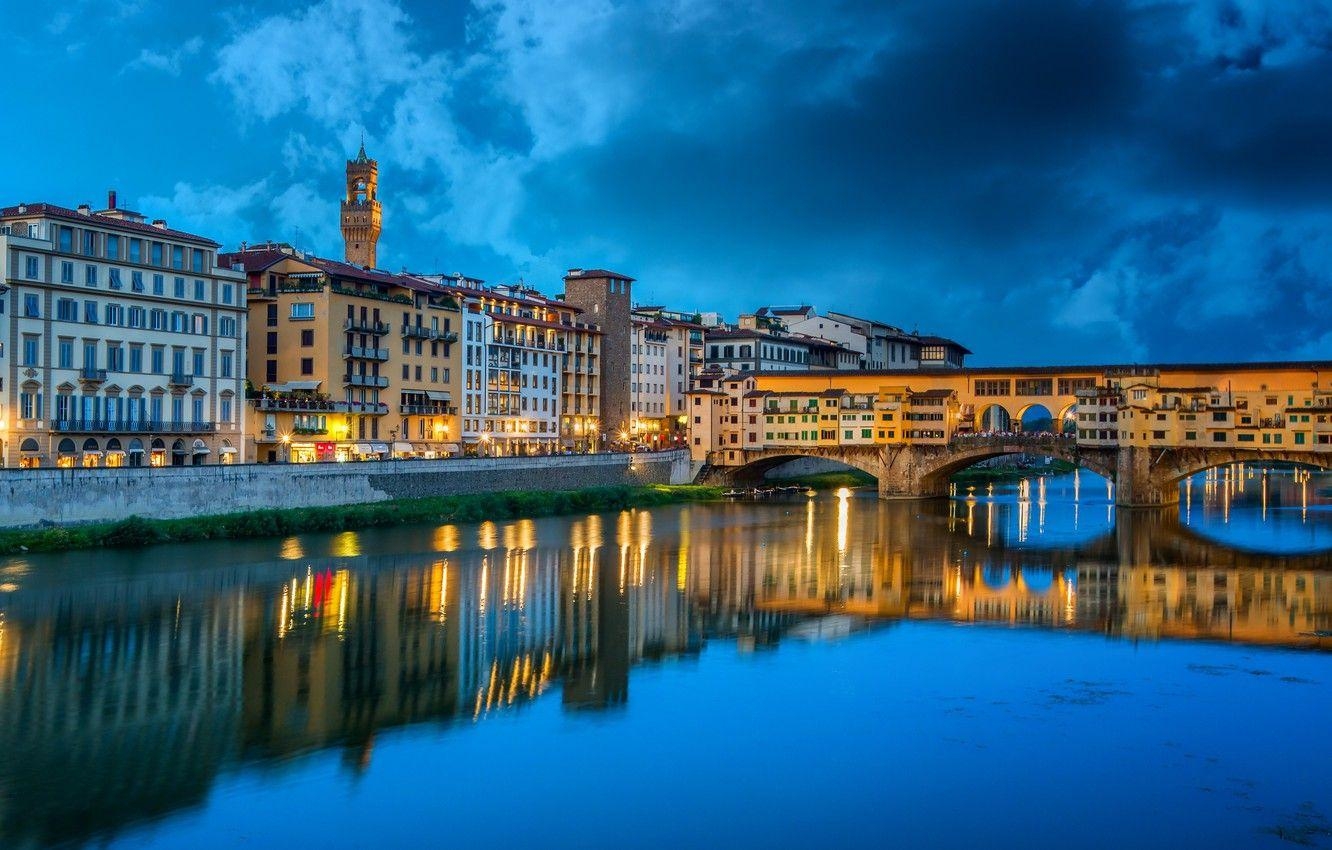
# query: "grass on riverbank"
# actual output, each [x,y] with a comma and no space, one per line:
[139,531]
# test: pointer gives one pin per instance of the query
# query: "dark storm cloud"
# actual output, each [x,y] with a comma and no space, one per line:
[1073,180]
[997,161]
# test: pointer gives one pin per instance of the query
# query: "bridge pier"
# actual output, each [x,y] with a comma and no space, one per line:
[1138,484]
[892,488]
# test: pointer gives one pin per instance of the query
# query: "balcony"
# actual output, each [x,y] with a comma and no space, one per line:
[89,375]
[126,426]
[365,326]
[180,380]
[432,334]
[298,404]
[435,409]
[378,381]
[356,352]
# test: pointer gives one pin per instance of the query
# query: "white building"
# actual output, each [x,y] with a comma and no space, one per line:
[124,344]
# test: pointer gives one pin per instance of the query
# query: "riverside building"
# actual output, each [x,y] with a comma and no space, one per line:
[121,341]
[347,363]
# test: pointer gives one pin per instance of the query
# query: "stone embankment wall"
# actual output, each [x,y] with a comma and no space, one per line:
[36,496]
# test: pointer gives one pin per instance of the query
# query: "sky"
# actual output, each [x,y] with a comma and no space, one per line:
[1046,182]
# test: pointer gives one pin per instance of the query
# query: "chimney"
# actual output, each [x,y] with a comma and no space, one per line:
[159,223]
[84,209]
[110,199]
[22,208]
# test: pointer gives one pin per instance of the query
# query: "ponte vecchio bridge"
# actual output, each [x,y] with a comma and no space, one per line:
[1144,427]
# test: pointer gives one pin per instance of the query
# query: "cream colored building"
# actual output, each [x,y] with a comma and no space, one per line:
[123,344]
[347,363]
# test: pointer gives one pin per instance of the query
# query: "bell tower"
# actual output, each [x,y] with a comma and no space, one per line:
[360,210]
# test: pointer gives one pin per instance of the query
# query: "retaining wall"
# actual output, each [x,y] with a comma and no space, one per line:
[36,496]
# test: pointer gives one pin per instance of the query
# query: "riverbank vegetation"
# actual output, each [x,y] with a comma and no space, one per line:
[141,531]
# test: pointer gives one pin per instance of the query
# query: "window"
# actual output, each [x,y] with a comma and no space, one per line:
[135,250]
[177,259]
[65,353]
[159,284]
[272,342]
[307,365]
[90,243]
[32,305]
[66,240]
[136,317]
[115,357]
[112,247]
[32,345]
[66,272]
[307,339]
[199,362]
[136,358]
[302,310]
[226,326]
[158,362]
[157,320]
[198,288]
[224,365]
[31,268]
[115,314]
[199,324]
[178,324]
[67,310]
[228,293]
[225,410]
[197,261]
[993,387]
[156,253]
[90,312]
[273,315]
[30,405]
[90,275]
[178,287]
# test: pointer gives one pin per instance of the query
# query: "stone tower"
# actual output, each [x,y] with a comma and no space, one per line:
[360,210]
[605,299]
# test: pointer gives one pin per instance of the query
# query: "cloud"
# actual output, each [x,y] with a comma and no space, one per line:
[333,60]
[1042,180]
[166,62]
[223,213]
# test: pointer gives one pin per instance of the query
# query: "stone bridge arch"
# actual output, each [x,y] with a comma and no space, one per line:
[1150,476]
[867,459]
[925,471]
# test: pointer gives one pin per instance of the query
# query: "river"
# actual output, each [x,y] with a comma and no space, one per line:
[1022,665]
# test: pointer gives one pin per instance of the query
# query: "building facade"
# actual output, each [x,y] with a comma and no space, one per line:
[123,341]
[347,363]
[605,300]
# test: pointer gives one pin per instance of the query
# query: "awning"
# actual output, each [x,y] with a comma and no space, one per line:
[91,453]
[292,386]
[379,448]
[228,450]
[439,395]
[403,447]
[451,448]
[363,449]
[136,450]
[202,450]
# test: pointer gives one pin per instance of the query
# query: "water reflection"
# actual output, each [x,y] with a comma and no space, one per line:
[125,691]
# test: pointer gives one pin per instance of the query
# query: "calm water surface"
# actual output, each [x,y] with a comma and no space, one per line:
[1024,667]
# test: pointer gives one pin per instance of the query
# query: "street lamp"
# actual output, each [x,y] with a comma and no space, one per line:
[286,448]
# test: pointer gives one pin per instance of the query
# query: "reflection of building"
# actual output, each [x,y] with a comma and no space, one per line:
[113,709]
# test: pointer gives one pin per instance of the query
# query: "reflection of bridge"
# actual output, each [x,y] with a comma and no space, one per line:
[1146,428]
